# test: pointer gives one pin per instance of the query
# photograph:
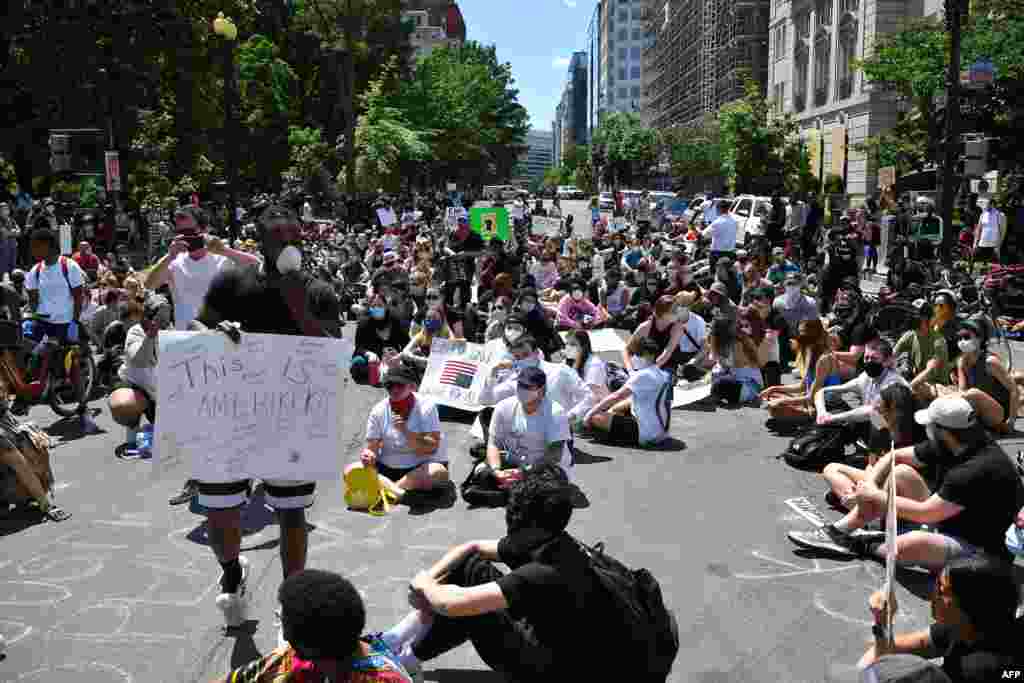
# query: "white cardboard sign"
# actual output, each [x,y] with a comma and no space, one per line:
[269,407]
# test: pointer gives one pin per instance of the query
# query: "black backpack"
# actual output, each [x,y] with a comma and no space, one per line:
[816,447]
[649,628]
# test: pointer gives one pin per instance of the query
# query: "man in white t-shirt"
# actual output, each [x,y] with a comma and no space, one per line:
[404,440]
[55,289]
[639,413]
[191,264]
[989,235]
[722,232]
[527,429]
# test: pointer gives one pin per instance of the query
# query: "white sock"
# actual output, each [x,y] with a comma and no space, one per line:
[408,631]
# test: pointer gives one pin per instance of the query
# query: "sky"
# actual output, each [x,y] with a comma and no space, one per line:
[537,37]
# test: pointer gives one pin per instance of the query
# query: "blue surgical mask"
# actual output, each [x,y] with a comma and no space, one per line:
[527,395]
[525,363]
[378,312]
[431,325]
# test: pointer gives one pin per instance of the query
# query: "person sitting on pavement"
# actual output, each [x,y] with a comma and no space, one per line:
[818,368]
[722,338]
[529,624]
[781,267]
[983,379]
[946,322]
[743,382]
[135,394]
[501,308]
[976,630]
[794,307]
[417,351]
[639,413]
[761,301]
[643,298]
[380,331]
[87,260]
[527,429]
[576,312]
[591,369]
[614,297]
[895,414]
[878,374]
[726,273]
[851,315]
[665,328]
[976,498]
[403,439]
[322,621]
[537,324]
[926,353]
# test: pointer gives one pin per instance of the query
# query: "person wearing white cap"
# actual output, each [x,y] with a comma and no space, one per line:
[975,497]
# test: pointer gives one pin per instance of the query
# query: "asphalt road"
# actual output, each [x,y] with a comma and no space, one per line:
[124,591]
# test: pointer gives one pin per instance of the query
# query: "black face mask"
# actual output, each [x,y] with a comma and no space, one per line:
[873,369]
[194,242]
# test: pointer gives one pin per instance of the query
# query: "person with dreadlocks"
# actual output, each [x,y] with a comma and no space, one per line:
[282,299]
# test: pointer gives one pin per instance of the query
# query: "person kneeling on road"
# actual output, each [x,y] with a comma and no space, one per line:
[977,496]
[544,620]
[135,394]
[403,439]
[639,413]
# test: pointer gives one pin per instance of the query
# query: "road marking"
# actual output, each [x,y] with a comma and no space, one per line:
[815,569]
[65,594]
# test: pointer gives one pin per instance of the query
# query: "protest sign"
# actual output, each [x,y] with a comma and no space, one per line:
[490,223]
[603,341]
[456,373]
[267,407]
[890,547]
[546,225]
[387,217]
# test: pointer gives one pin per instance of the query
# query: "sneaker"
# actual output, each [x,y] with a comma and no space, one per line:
[187,493]
[828,539]
[832,500]
[233,605]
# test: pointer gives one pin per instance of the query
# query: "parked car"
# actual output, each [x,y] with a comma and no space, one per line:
[749,211]
[606,201]
[569,192]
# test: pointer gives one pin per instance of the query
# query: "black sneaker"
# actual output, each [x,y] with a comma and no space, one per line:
[187,493]
[831,540]
[19,408]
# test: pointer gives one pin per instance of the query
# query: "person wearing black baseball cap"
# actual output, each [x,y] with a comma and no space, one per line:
[403,438]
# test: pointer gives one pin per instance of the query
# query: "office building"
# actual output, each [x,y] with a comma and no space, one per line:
[434,23]
[813,46]
[538,157]
[696,55]
[570,126]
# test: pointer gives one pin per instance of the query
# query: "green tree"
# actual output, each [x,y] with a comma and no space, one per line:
[624,148]
[553,177]
[695,151]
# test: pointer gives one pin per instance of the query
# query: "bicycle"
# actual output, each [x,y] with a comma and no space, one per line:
[66,373]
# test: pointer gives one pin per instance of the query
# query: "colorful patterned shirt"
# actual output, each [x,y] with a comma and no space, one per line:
[377,665]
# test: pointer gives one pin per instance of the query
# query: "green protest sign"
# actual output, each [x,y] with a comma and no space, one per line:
[490,223]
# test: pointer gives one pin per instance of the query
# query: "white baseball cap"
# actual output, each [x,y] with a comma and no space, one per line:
[951,412]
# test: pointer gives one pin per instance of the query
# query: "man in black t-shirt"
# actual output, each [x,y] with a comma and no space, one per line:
[280,300]
[543,621]
[974,499]
[976,631]
[460,265]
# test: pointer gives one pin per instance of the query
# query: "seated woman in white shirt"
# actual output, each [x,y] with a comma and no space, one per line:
[403,439]
[591,369]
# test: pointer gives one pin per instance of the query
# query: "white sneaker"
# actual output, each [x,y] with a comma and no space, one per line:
[281,642]
[233,605]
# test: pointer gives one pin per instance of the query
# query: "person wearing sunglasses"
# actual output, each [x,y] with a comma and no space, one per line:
[500,311]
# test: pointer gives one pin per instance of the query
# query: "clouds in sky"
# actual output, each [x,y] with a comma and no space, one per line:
[571,4]
[560,63]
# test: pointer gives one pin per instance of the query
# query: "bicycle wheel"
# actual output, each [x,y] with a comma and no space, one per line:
[69,395]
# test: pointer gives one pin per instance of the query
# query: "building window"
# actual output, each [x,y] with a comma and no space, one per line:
[638,34]
[634,72]
[623,93]
[803,24]
[824,11]
[623,35]
[779,41]
[822,65]
[634,91]
[634,52]
[624,54]
[622,73]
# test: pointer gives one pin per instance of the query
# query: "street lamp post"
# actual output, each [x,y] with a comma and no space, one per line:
[226,29]
[953,12]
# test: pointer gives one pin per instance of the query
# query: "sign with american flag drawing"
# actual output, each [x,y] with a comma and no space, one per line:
[455,374]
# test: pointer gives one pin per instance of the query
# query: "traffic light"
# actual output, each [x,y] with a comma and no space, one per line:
[60,153]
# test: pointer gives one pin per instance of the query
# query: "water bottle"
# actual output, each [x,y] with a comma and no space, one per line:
[144,440]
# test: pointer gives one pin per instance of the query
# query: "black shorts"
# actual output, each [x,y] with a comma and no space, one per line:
[393,473]
[986,255]
[150,401]
[623,431]
[279,494]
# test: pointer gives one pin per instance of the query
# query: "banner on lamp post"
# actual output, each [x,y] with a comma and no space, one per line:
[113,166]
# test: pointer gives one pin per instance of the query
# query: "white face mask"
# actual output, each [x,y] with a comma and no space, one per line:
[289,260]
[577,295]
[968,345]
[639,363]
[513,334]
[572,352]
[876,420]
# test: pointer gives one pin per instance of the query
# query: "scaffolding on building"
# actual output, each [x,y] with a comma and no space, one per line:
[697,52]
